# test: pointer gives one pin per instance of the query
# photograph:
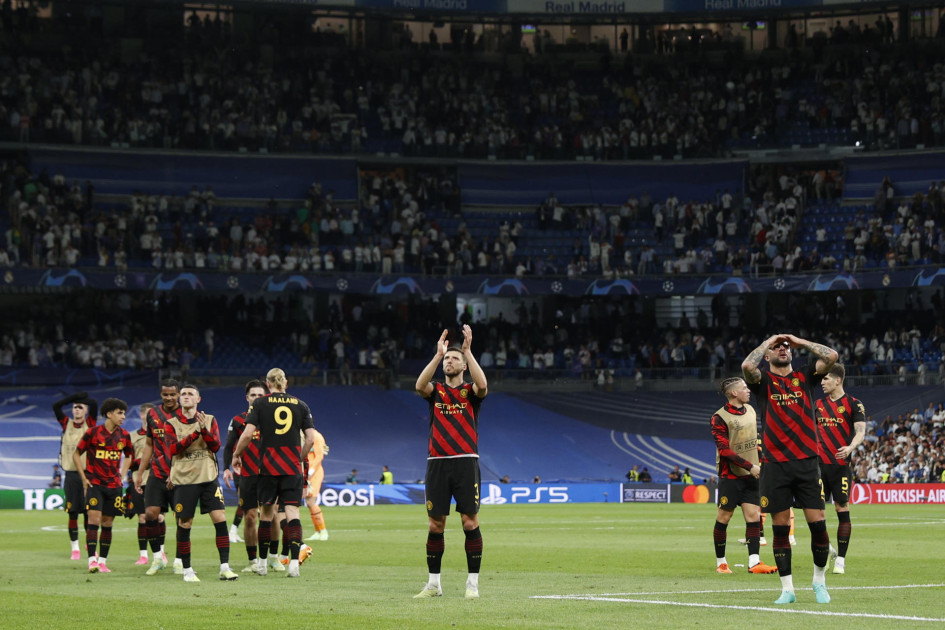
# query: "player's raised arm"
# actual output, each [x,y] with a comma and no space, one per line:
[750,368]
[825,356]
[424,386]
[480,384]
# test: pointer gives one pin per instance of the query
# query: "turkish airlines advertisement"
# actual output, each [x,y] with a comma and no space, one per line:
[898,493]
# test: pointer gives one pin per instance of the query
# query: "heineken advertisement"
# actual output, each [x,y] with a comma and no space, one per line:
[32,499]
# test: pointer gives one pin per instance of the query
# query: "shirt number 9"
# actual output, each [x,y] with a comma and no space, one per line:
[283,417]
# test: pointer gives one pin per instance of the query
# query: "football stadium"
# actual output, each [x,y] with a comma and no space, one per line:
[641,302]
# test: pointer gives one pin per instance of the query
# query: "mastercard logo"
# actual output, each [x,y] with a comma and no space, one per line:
[695,494]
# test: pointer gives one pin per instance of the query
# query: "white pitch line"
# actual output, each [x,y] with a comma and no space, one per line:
[754,590]
[794,611]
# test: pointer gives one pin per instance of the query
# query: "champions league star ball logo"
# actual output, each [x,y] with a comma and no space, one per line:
[233,282]
[668,286]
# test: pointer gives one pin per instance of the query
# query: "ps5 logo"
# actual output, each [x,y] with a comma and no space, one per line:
[527,494]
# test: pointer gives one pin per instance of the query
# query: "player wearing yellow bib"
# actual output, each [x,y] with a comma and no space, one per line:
[735,431]
[193,440]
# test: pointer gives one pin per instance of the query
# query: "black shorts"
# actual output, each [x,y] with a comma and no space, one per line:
[75,493]
[108,501]
[838,480]
[791,484]
[208,494]
[157,494]
[735,492]
[286,489]
[137,500]
[249,493]
[452,478]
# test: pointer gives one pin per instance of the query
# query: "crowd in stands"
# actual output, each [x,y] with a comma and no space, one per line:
[907,449]
[204,92]
[414,223]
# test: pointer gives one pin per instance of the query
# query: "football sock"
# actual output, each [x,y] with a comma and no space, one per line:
[285,538]
[472,580]
[142,537]
[473,550]
[819,542]
[223,541]
[318,520]
[161,532]
[435,547]
[183,546]
[782,550]
[274,538]
[719,537]
[265,532]
[73,526]
[434,579]
[151,527]
[293,534]
[251,552]
[91,540]
[105,542]
[753,537]
[239,517]
[843,533]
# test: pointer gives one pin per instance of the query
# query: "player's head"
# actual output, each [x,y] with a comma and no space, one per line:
[144,409]
[114,410]
[454,362]
[189,396]
[779,355]
[254,389]
[170,392]
[735,390]
[276,380]
[833,380]
[79,411]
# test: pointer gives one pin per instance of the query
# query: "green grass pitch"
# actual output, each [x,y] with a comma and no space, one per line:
[544,566]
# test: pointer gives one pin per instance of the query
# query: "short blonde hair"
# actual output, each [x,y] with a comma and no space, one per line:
[276,376]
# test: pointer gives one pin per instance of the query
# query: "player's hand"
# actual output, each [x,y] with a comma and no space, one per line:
[467,338]
[442,344]
[170,486]
[228,478]
[202,420]
[755,471]
[325,450]
[844,452]
[794,342]
[137,481]
[127,505]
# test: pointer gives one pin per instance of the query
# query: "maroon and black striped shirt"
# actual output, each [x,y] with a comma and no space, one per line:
[161,457]
[103,451]
[786,411]
[281,418]
[250,458]
[835,425]
[454,421]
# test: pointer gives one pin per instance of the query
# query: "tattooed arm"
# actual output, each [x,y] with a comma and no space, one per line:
[825,356]
[750,368]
